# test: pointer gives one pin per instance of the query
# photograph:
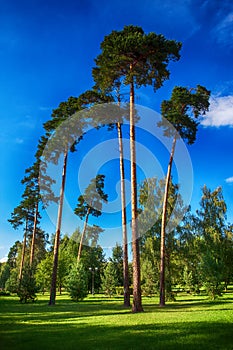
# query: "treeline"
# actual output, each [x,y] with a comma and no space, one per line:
[129,59]
[199,255]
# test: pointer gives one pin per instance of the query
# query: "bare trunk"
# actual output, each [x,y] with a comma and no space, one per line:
[34,235]
[163,227]
[23,253]
[124,223]
[57,236]
[82,236]
[137,298]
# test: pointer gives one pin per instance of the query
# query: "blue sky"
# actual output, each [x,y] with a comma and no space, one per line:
[47,50]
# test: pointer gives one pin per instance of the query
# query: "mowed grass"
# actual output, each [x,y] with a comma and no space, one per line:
[103,323]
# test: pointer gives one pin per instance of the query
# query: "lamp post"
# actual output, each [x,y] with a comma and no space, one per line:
[93,269]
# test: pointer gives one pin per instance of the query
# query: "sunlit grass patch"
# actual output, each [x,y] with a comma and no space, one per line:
[99,322]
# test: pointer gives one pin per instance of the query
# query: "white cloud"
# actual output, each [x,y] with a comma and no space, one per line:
[220,112]
[3,259]
[229,180]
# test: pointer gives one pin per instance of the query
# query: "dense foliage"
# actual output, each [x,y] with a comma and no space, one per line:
[199,256]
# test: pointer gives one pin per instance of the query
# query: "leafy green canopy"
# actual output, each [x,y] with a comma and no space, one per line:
[212,227]
[138,57]
[213,212]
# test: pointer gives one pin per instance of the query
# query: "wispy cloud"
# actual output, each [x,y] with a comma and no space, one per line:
[214,19]
[224,31]
[229,180]
[28,122]
[45,109]
[220,112]
[19,141]
[224,88]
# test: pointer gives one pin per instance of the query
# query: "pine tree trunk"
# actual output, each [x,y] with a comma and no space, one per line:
[23,253]
[82,236]
[34,235]
[57,235]
[163,227]
[137,298]
[124,223]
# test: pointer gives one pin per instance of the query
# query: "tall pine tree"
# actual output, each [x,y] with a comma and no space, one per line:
[135,59]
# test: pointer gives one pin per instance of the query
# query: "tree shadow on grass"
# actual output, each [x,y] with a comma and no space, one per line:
[192,335]
[39,311]
[70,325]
[66,309]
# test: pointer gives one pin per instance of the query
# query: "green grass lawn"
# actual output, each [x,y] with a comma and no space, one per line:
[102,323]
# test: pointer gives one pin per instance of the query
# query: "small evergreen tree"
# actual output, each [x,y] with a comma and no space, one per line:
[190,280]
[27,289]
[149,278]
[77,282]
[117,260]
[109,279]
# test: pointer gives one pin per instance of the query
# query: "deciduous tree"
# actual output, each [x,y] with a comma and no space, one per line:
[212,216]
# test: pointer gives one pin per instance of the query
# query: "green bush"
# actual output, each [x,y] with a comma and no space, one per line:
[12,282]
[4,293]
